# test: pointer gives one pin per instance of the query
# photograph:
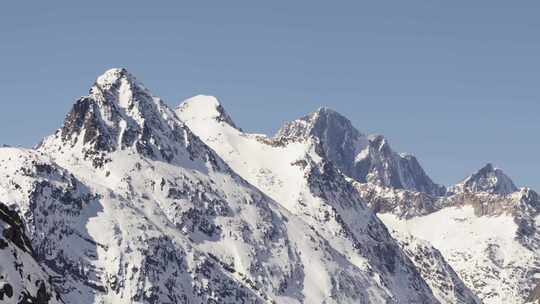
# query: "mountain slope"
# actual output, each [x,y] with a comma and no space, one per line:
[123,204]
[22,279]
[293,172]
[410,205]
[489,236]
[486,251]
[444,281]
[132,202]
[137,210]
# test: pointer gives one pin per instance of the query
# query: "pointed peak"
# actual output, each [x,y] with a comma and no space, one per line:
[118,86]
[321,123]
[119,113]
[113,76]
[324,112]
[487,179]
[325,109]
[487,168]
[366,158]
[204,107]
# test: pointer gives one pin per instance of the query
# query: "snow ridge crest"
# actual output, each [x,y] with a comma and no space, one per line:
[206,107]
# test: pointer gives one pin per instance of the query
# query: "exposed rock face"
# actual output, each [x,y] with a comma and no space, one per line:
[488,179]
[396,187]
[362,157]
[126,204]
[407,204]
[119,114]
[534,297]
[123,204]
[441,277]
[501,231]
[403,203]
[294,170]
[22,279]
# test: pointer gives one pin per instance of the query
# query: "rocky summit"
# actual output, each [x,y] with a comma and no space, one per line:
[131,201]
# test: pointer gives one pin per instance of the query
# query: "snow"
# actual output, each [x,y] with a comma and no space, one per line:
[110,76]
[162,206]
[488,179]
[269,167]
[445,229]
[125,204]
[281,171]
[204,106]
[480,249]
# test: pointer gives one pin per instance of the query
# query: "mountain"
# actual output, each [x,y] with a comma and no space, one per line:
[487,179]
[22,279]
[294,170]
[485,227]
[492,242]
[130,201]
[366,158]
[491,198]
[499,264]
[433,225]
[124,204]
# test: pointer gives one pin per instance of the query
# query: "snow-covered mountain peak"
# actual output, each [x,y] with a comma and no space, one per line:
[324,124]
[113,75]
[121,114]
[325,112]
[205,107]
[365,158]
[302,180]
[488,179]
[204,103]
[118,86]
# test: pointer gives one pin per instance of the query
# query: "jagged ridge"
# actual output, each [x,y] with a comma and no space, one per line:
[125,205]
[362,157]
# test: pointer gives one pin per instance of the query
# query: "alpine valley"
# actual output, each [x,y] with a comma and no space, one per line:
[131,201]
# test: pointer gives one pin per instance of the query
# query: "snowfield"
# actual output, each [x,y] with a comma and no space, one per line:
[483,250]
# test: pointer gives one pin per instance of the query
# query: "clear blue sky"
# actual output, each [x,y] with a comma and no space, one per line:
[454,82]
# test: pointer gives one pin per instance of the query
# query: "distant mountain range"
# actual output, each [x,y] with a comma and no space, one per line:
[130,201]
